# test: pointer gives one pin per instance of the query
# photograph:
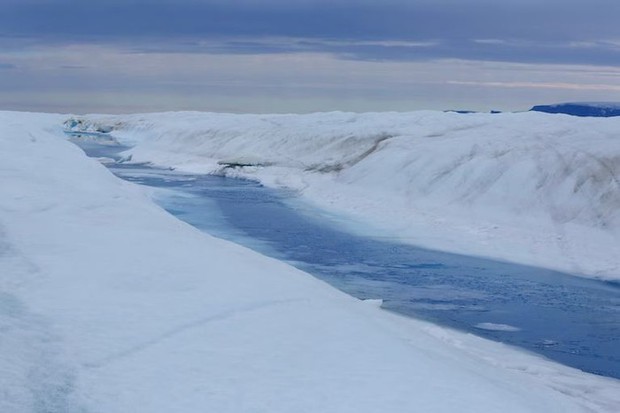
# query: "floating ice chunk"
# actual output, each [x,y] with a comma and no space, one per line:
[497,327]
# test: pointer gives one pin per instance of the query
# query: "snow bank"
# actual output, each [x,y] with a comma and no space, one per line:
[531,188]
[109,304]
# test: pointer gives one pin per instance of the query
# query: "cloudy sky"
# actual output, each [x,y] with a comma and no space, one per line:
[306,55]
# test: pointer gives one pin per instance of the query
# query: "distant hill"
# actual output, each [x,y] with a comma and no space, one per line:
[603,110]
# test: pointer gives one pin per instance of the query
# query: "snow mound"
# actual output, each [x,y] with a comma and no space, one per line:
[527,187]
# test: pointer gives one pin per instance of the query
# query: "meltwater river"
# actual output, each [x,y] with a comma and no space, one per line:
[568,319]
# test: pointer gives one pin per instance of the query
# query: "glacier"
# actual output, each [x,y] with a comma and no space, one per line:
[108,303]
[530,188]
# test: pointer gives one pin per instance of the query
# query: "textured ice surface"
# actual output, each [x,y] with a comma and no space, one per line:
[117,304]
[530,187]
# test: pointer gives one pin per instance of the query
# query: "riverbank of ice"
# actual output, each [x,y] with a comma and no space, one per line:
[107,303]
[530,188]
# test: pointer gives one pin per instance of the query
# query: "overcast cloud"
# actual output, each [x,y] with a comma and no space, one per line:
[406,33]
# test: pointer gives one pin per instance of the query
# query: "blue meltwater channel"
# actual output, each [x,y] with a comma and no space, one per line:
[572,320]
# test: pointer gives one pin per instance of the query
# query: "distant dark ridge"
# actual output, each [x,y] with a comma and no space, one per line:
[600,110]
[465,112]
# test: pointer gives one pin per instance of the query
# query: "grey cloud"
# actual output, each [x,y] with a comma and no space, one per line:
[449,19]
[524,31]
[597,53]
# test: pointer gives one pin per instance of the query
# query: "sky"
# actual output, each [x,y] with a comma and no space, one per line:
[116,56]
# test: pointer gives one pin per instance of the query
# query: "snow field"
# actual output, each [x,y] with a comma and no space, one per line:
[109,304]
[530,188]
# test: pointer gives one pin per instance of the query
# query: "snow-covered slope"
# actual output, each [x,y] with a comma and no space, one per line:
[531,188]
[109,304]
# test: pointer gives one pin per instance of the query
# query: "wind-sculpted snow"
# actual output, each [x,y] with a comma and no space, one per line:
[528,187]
[110,304]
